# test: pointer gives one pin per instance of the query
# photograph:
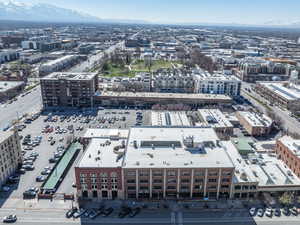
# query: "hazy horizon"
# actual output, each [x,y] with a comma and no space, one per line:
[255,12]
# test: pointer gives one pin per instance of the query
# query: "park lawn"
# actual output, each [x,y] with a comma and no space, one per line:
[117,71]
[156,64]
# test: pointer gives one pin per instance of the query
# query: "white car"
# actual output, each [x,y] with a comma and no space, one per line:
[260,212]
[252,211]
[269,212]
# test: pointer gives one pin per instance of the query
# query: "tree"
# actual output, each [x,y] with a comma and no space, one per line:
[286,199]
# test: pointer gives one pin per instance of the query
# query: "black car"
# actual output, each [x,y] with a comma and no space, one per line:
[53,160]
[107,211]
[29,194]
[134,212]
[124,212]
[286,211]
[70,212]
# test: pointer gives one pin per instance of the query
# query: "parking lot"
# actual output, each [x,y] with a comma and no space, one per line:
[47,136]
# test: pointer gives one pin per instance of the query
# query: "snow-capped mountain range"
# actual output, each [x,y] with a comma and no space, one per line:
[14,10]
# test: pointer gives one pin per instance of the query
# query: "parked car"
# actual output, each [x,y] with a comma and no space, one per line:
[294,211]
[40,179]
[29,194]
[10,219]
[107,211]
[134,212]
[252,211]
[124,212]
[277,212]
[79,213]
[286,211]
[260,212]
[71,212]
[269,212]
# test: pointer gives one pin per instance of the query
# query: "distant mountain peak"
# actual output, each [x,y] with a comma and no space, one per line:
[42,12]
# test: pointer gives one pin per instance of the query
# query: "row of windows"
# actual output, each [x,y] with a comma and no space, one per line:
[174,181]
[103,174]
[182,187]
[183,173]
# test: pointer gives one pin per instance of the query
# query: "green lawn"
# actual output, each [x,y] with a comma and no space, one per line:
[157,64]
[117,71]
[114,70]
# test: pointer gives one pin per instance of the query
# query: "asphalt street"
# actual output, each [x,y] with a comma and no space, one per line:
[289,122]
[30,103]
[147,217]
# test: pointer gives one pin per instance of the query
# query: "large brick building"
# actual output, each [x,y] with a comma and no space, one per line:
[155,163]
[288,150]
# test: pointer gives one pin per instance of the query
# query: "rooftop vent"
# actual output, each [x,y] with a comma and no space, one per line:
[135,144]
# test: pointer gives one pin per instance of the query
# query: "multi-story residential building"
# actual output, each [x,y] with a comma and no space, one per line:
[8,55]
[156,163]
[215,119]
[10,154]
[258,69]
[254,123]
[288,150]
[69,89]
[284,94]
[216,83]
[173,82]
[58,64]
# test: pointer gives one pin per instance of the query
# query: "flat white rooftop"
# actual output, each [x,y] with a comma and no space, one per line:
[255,119]
[159,95]
[264,169]
[292,144]
[288,93]
[59,60]
[173,147]
[106,133]
[69,76]
[214,118]
[7,85]
[100,153]
[271,171]
[161,118]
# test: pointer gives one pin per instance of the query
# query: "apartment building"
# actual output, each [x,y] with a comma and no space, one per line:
[254,123]
[8,55]
[156,163]
[58,64]
[216,83]
[173,82]
[284,94]
[10,154]
[69,89]
[258,69]
[288,150]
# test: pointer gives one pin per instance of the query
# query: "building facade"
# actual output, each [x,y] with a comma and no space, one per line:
[288,150]
[284,94]
[217,84]
[155,163]
[10,154]
[69,89]
[255,124]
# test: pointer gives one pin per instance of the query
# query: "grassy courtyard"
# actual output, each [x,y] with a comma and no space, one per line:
[115,70]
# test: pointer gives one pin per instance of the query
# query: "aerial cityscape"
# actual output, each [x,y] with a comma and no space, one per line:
[131,112]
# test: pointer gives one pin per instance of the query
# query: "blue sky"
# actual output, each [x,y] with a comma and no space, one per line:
[188,11]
